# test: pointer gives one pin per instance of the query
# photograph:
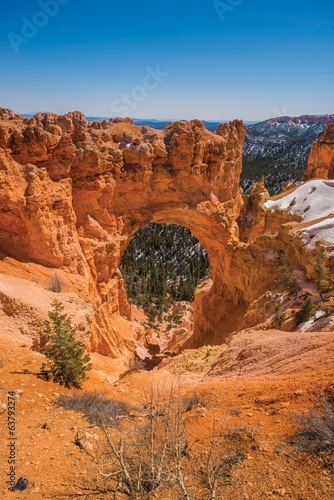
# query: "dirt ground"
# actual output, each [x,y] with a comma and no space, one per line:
[266,404]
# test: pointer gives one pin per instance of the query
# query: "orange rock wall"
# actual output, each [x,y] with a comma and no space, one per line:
[321,160]
[73,193]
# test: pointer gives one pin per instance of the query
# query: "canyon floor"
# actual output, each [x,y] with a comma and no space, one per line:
[261,382]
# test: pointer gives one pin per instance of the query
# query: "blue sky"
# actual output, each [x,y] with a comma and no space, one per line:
[207,59]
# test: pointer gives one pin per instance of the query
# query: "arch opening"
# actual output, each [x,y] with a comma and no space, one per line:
[163,264]
[161,267]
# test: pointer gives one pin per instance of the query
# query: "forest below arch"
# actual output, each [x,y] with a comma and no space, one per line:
[163,264]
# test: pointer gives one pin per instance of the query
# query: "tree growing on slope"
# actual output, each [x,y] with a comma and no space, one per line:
[305,311]
[68,361]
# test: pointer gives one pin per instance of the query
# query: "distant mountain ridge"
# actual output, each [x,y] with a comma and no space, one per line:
[304,119]
[278,149]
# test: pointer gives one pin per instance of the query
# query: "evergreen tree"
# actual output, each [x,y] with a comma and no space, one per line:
[322,274]
[68,360]
[162,264]
[305,311]
[285,278]
[319,269]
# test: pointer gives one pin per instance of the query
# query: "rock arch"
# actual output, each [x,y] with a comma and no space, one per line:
[74,194]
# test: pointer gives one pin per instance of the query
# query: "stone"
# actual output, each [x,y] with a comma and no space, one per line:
[72,197]
[73,194]
[321,160]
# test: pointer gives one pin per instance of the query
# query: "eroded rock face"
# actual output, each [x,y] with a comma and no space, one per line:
[72,195]
[321,160]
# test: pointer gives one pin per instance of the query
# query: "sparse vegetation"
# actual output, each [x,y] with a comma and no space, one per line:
[96,407]
[55,283]
[235,410]
[68,361]
[322,274]
[316,429]
[285,277]
[243,434]
[305,312]
[158,458]
[217,470]
[319,269]
[196,399]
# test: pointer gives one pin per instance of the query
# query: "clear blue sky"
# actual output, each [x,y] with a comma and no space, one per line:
[253,59]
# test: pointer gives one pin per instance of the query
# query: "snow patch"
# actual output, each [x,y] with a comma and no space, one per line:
[312,200]
[323,230]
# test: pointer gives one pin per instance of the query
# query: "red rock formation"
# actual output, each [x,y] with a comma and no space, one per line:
[72,195]
[318,119]
[321,160]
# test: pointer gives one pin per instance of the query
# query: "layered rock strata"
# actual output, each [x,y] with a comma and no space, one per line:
[321,160]
[73,193]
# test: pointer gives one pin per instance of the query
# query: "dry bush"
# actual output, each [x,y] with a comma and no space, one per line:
[196,399]
[329,394]
[56,284]
[96,407]
[234,410]
[156,457]
[219,462]
[316,429]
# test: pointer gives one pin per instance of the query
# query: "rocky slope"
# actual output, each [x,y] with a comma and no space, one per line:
[278,149]
[255,405]
[73,194]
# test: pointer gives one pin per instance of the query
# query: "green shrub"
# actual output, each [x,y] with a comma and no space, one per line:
[305,311]
[68,360]
[285,278]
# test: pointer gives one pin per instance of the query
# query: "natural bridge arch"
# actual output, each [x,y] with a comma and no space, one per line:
[214,317]
[76,192]
[216,313]
[194,183]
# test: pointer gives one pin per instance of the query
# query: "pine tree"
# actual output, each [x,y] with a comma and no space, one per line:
[319,269]
[305,311]
[162,257]
[68,360]
[285,278]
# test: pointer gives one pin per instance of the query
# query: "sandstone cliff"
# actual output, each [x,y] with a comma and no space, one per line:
[73,194]
[321,160]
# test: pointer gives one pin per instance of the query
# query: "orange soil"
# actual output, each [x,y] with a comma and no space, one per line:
[48,457]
